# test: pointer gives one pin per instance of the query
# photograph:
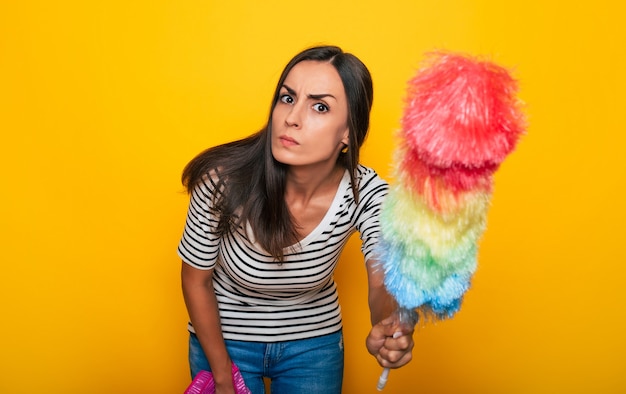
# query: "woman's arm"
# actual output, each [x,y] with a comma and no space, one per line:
[203,311]
[380,302]
[390,341]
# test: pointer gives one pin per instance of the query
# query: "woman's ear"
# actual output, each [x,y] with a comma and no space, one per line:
[346,138]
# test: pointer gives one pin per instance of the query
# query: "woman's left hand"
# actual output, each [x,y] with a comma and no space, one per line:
[391,343]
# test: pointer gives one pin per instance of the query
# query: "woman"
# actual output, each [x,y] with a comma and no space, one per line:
[268,218]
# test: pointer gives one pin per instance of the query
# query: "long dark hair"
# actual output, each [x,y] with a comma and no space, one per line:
[252,183]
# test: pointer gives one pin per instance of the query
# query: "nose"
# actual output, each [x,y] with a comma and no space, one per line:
[294,117]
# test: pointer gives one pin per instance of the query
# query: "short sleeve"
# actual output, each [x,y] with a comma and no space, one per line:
[372,192]
[199,244]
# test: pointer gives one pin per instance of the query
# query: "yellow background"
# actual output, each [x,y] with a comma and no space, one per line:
[102,104]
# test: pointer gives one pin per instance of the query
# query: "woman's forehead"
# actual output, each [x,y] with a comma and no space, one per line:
[314,78]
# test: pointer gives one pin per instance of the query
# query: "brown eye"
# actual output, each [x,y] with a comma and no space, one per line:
[287,99]
[319,107]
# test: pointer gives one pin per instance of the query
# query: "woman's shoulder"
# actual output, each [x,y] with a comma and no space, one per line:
[368,176]
[209,183]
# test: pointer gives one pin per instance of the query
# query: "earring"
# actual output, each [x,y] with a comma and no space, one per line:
[345,149]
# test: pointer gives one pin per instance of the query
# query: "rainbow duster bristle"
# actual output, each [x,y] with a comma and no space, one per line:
[461,120]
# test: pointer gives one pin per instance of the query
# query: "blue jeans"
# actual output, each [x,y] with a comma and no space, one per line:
[305,366]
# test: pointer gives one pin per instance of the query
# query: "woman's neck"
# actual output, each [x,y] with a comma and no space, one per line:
[305,184]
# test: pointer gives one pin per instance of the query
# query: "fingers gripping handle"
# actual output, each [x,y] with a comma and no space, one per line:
[382,380]
[405,316]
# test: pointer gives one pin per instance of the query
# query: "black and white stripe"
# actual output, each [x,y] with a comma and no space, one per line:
[264,301]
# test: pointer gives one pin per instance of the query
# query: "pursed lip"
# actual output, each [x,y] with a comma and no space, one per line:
[288,140]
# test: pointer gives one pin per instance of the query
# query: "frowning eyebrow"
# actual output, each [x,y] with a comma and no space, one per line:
[311,96]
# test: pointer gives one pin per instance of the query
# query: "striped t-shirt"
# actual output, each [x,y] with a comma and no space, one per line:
[263,301]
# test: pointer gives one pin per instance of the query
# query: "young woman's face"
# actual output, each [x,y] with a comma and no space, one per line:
[310,119]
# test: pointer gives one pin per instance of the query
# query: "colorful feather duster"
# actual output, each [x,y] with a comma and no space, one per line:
[462,118]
